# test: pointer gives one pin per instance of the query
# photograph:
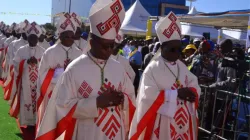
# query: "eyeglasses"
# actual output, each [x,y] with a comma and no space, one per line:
[106,45]
[173,50]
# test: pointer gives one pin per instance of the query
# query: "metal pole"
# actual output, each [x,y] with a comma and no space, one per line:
[69,6]
[224,117]
[203,107]
[208,132]
[213,115]
[237,115]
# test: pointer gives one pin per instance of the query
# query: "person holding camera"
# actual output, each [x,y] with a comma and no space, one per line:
[202,64]
[225,80]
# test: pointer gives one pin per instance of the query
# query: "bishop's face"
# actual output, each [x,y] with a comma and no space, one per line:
[101,48]
[67,38]
[33,40]
[171,50]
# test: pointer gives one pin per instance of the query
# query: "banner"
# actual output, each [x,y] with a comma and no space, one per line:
[149,30]
[219,36]
[248,35]
[32,14]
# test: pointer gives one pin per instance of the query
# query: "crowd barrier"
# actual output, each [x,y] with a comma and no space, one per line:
[230,104]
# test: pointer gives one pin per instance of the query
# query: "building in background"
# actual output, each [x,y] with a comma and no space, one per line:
[160,7]
[154,7]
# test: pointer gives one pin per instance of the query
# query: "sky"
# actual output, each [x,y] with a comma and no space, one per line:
[43,7]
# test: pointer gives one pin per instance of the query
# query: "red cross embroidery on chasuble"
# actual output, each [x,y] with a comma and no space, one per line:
[27,106]
[181,119]
[85,89]
[172,27]
[33,27]
[67,22]
[113,21]
[157,130]
[107,118]
[33,70]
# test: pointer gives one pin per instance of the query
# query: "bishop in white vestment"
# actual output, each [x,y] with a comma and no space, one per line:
[54,62]
[5,49]
[26,63]
[12,49]
[94,97]
[167,102]
[79,42]
[42,42]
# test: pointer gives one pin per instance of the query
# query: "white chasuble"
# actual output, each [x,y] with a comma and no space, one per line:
[72,108]
[53,62]
[5,47]
[125,62]
[160,115]
[26,82]
[2,54]
[12,49]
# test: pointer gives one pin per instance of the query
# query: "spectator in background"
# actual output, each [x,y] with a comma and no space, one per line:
[135,59]
[201,65]
[197,42]
[225,74]
[189,53]
[144,50]
[151,47]
[126,49]
[225,80]
[84,36]
[150,55]
[148,41]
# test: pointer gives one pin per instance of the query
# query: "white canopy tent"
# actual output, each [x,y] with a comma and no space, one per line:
[135,22]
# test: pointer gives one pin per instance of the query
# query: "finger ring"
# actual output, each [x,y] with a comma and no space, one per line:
[111,103]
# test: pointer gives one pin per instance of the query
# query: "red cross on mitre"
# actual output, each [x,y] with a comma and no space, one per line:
[67,22]
[172,27]
[76,19]
[33,27]
[113,21]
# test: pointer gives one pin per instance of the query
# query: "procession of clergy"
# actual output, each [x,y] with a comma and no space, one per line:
[79,90]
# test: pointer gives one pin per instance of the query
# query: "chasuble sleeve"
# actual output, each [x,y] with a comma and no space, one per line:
[149,90]
[43,69]
[129,101]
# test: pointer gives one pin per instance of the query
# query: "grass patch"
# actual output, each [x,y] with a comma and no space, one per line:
[8,125]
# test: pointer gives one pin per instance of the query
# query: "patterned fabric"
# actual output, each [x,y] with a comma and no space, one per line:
[33,75]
